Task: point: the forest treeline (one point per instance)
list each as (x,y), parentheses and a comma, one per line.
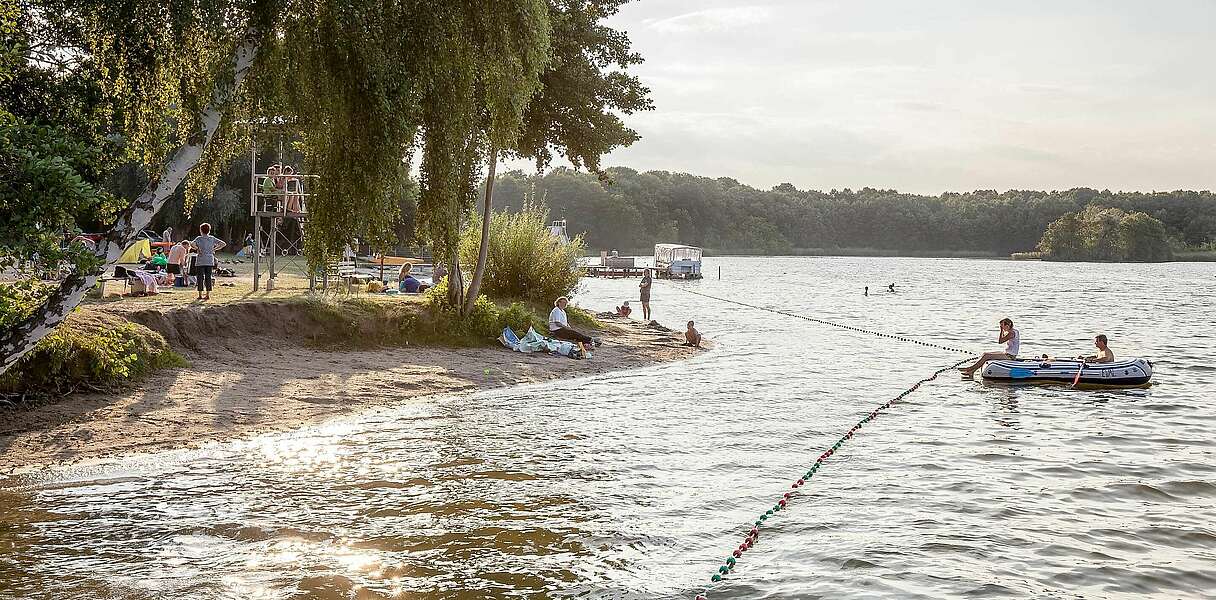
(638,209)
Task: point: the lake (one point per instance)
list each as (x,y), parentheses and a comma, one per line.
(639,484)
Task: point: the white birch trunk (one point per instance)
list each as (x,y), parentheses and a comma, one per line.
(22,337)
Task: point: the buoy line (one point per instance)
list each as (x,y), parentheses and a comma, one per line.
(753,534)
(829,323)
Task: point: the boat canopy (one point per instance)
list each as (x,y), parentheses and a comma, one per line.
(670,253)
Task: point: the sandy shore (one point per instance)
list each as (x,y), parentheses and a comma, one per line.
(235,388)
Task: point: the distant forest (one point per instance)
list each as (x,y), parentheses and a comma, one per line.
(633,211)
(636,210)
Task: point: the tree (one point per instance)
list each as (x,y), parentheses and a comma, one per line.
(362,83)
(1106,234)
(1144,239)
(575,111)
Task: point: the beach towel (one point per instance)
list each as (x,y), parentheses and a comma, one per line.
(145,282)
(535,342)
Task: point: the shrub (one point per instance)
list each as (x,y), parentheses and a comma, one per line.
(89,350)
(524,259)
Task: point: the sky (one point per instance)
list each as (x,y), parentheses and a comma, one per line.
(928,96)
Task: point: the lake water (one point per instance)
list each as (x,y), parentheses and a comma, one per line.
(638,484)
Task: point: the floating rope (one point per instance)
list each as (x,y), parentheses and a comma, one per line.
(829,323)
(753,535)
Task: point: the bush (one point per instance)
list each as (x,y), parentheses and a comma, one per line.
(524,259)
(89,350)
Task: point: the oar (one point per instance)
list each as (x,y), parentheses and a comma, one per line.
(1077,379)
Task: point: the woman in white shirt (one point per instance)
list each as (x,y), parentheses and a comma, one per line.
(1013,344)
(559,326)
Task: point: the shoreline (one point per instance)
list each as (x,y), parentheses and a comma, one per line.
(242,386)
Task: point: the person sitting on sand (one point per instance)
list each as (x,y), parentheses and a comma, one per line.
(692,337)
(406,283)
(1104,355)
(1012,340)
(559,325)
(891,288)
(623,310)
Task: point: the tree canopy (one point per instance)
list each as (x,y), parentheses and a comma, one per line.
(1106,234)
(365,88)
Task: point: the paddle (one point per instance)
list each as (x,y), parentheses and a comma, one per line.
(1077,379)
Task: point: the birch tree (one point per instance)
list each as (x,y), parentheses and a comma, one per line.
(367,85)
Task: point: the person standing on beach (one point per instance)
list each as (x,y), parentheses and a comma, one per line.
(206,245)
(644,293)
(167,235)
(177,258)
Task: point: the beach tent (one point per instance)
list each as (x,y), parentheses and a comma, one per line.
(138,251)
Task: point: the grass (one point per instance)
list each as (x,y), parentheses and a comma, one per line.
(90,350)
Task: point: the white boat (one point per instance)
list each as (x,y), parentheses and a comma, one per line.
(1132,372)
(677,261)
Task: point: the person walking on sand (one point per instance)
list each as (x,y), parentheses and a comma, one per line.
(644,294)
(1013,343)
(206,245)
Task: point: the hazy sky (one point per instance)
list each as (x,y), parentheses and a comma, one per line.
(928,96)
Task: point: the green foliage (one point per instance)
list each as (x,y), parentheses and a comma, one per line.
(640,209)
(1106,234)
(18,299)
(524,259)
(90,350)
(37,163)
(519,317)
(444,321)
(583,90)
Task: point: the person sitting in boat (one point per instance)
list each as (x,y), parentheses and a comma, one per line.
(406,283)
(1012,340)
(1104,355)
(692,337)
(559,325)
(623,310)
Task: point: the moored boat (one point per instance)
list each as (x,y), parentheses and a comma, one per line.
(1131,372)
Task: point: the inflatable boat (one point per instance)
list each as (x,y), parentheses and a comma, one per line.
(1122,373)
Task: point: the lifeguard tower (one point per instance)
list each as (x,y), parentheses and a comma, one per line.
(278,203)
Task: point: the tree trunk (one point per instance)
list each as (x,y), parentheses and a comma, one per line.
(480,269)
(23,336)
(455,280)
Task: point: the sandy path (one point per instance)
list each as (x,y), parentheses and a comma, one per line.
(230,390)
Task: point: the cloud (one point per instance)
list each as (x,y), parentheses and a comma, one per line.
(712,19)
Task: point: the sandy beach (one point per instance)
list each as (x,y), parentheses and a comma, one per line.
(241,385)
